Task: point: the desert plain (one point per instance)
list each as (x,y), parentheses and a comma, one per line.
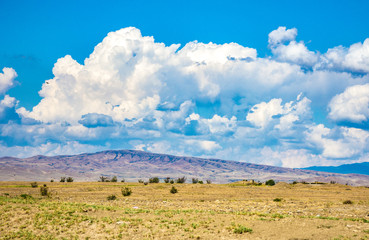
(81,210)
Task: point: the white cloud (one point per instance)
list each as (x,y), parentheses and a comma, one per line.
(50,149)
(263,113)
(7,79)
(6,103)
(350,141)
(281,35)
(355,58)
(293,52)
(138,93)
(352,105)
(205,145)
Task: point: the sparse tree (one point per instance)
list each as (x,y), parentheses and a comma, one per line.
(181,180)
(195,180)
(208,181)
(154,180)
(114,179)
(167,179)
(70,179)
(270,182)
(62,179)
(103,179)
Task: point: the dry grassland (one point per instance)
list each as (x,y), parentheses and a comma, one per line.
(197,211)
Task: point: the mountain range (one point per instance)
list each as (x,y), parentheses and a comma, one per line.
(133,165)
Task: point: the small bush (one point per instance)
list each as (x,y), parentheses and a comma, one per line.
(114,179)
(195,180)
(140,181)
(70,179)
(347,202)
(123,180)
(44,190)
(332,182)
(241,229)
(208,181)
(145,183)
(154,180)
(171,181)
(34,185)
(126,192)
(294,182)
(26,196)
(173,190)
(277,200)
(270,182)
(181,180)
(201,182)
(112,197)
(167,179)
(52,180)
(62,179)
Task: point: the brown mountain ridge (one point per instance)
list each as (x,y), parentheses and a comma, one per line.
(133,165)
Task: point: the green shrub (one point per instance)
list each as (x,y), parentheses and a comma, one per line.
(167,179)
(70,179)
(171,181)
(126,192)
(112,197)
(145,183)
(154,180)
(34,185)
(44,190)
(241,229)
(62,179)
(52,180)
(114,179)
(26,196)
(201,182)
(173,190)
(181,180)
(270,182)
(347,202)
(195,180)
(277,200)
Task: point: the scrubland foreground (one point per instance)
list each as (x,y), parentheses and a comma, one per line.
(197,211)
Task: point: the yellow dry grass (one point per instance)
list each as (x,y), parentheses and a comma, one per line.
(198,211)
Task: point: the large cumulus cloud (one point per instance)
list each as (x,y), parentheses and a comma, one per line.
(202,99)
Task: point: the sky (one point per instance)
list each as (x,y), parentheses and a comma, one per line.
(283,83)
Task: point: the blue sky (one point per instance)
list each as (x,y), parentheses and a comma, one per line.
(273,82)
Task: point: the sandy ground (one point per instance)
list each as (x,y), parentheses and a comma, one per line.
(197,211)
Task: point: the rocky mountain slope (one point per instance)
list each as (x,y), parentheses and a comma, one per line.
(133,165)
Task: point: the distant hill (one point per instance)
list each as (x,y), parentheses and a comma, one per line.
(133,165)
(359,168)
